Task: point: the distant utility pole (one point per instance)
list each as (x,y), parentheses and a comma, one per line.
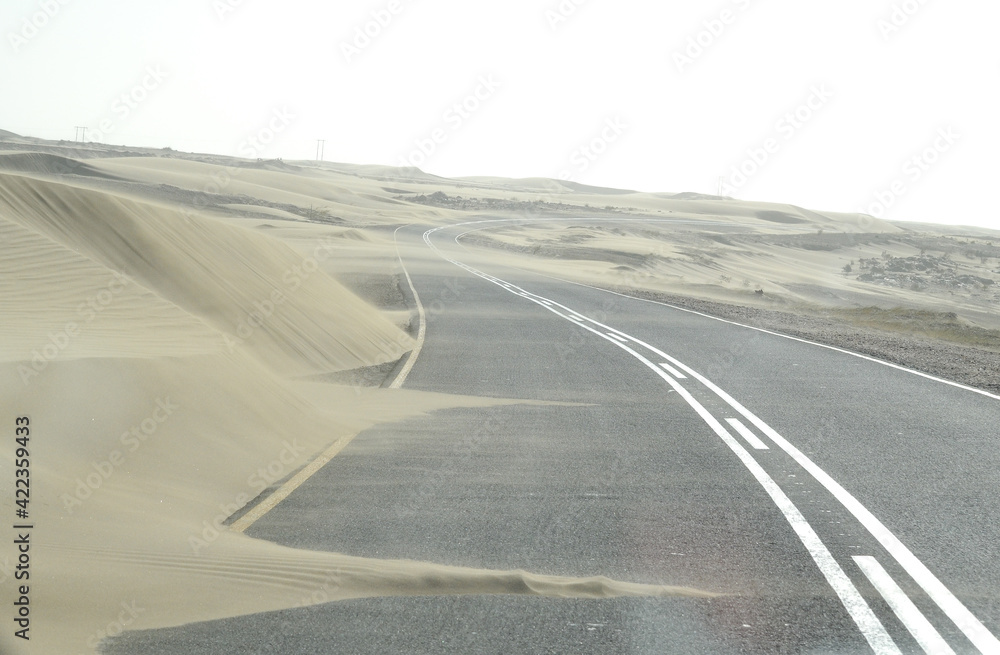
(320,146)
(719,192)
(81,130)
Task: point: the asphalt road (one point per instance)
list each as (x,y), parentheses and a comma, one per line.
(853,508)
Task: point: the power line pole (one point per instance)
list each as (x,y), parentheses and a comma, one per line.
(80,129)
(320,147)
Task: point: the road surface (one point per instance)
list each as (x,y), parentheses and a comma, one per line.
(840,504)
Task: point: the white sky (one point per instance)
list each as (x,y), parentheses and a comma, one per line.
(878,98)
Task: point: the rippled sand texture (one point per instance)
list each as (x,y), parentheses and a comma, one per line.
(170,360)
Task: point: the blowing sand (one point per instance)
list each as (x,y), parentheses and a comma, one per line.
(172,325)
(166,358)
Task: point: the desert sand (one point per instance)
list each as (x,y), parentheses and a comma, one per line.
(184,331)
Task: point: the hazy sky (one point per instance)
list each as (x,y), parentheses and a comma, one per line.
(887,106)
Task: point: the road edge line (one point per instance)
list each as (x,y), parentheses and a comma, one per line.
(411,359)
(307,471)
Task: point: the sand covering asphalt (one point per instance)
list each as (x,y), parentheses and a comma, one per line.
(158,354)
(172,324)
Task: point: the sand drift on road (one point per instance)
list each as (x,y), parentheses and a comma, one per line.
(186,332)
(171,364)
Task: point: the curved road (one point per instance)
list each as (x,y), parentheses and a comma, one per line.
(841,504)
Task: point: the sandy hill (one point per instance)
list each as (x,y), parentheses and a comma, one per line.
(46,164)
(172,323)
(164,337)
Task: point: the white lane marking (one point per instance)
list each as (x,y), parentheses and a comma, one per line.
(723,320)
(421,330)
(918,625)
(745,432)
(293,483)
(716,318)
(617,338)
(290,485)
(977,633)
(459,243)
(869,625)
(673,371)
(869,358)
(984,640)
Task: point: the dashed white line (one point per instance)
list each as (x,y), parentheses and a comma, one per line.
(867,622)
(869,625)
(966,621)
(911,617)
(673,371)
(745,432)
(977,633)
(844,351)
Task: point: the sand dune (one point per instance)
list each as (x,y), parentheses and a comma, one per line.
(158,353)
(47,164)
(342,196)
(231,278)
(798,261)
(171,324)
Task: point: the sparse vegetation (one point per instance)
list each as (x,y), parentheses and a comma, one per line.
(918,273)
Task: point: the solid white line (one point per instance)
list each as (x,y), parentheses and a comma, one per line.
(984,640)
(977,633)
(747,434)
(869,358)
(869,625)
(290,485)
(293,483)
(617,338)
(918,625)
(421,330)
(673,371)
(928,376)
